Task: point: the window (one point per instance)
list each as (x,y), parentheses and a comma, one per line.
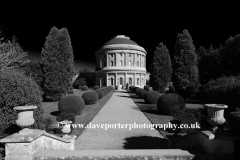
(121,81)
(138,63)
(112,81)
(137,55)
(130,81)
(130,63)
(120,63)
(111,54)
(104,64)
(130,55)
(137,81)
(121,54)
(100,63)
(111,63)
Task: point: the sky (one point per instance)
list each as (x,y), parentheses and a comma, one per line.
(92,25)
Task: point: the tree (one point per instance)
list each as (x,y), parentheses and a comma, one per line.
(160,69)
(57,61)
(185,70)
(11,54)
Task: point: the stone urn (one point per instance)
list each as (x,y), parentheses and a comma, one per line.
(25,117)
(215,114)
(66,127)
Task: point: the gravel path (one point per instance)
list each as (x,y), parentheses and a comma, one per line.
(119,109)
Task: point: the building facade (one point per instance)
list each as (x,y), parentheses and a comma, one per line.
(122,62)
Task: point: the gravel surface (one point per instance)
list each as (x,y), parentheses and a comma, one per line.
(119,109)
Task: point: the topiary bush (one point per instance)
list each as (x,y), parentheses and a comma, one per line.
(142,92)
(170,104)
(80,87)
(151,97)
(18,90)
(134,89)
(96,87)
(147,87)
(100,93)
(138,90)
(66,116)
(171,89)
(76,84)
(90,97)
(104,90)
(131,88)
(71,104)
(85,88)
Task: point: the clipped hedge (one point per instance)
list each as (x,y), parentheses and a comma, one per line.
(131,88)
(100,93)
(66,116)
(151,97)
(224,90)
(233,120)
(170,104)
(80,87)
(134,89)
(96,87)
(85,88)
(18,90)
(71,104)
(90,97)
(142,93)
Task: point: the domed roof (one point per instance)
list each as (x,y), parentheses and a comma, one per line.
(120,39)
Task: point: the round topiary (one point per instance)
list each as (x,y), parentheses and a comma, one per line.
(71,104)
(90,97)
(76,84)
(18,90)
(170,103)
(80,87)
(131,88)
(171,89)
(134,89)
(105,91)
(142,92)
(66,116)
(137,91)
(100,93)
(147,87)
(85,88)
(96,87)
(151,97)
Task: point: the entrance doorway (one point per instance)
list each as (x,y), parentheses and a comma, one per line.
(121,81)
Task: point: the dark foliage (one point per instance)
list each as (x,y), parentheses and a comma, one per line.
(66,116)
(170,104)
(138,90)
(160,69)
(142,92)
(104,90)
(184,63)
(96,87)
(90,97)
(71,104)
(85,88)
(171,89)
(57,60)
(233,120)
(151,97)
(147,87)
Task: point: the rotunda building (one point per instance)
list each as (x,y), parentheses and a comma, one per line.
(121,62)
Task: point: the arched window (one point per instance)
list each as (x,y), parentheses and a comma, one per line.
(137,81)
(130,63)
(100,63)
(120,63)
(111,64)
(138,63)
(121,81)
(130,81)
(112,81)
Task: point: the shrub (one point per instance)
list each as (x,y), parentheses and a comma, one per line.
(18,90)
(71,104)
(137,91)
(147,87)
(85,88)
(134,89)
(96,87)
(100,93)
(170,103)
(151,97)
(224,90)
(233,119)
(131,88)
(104,90)
(80,87)
(76,84)
(142,92)
(109,88)
(66,116)
(90,97)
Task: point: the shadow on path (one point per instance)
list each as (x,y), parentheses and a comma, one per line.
(55,113)
(145,142)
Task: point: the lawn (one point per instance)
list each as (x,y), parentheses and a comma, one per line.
(88,113)
(152,113)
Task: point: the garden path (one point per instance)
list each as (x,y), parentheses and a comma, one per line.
(120,110)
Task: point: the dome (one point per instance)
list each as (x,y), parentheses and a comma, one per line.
(121,39)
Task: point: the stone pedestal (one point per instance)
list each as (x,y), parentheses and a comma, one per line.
(25,144)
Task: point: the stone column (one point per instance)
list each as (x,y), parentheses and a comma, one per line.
(134,59)
(115,59)
(125,78)
(125,58)
(134,79)
(115,79)
(140,80)
(140,60)
(107,59)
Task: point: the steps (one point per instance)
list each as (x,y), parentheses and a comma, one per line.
(153,154)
